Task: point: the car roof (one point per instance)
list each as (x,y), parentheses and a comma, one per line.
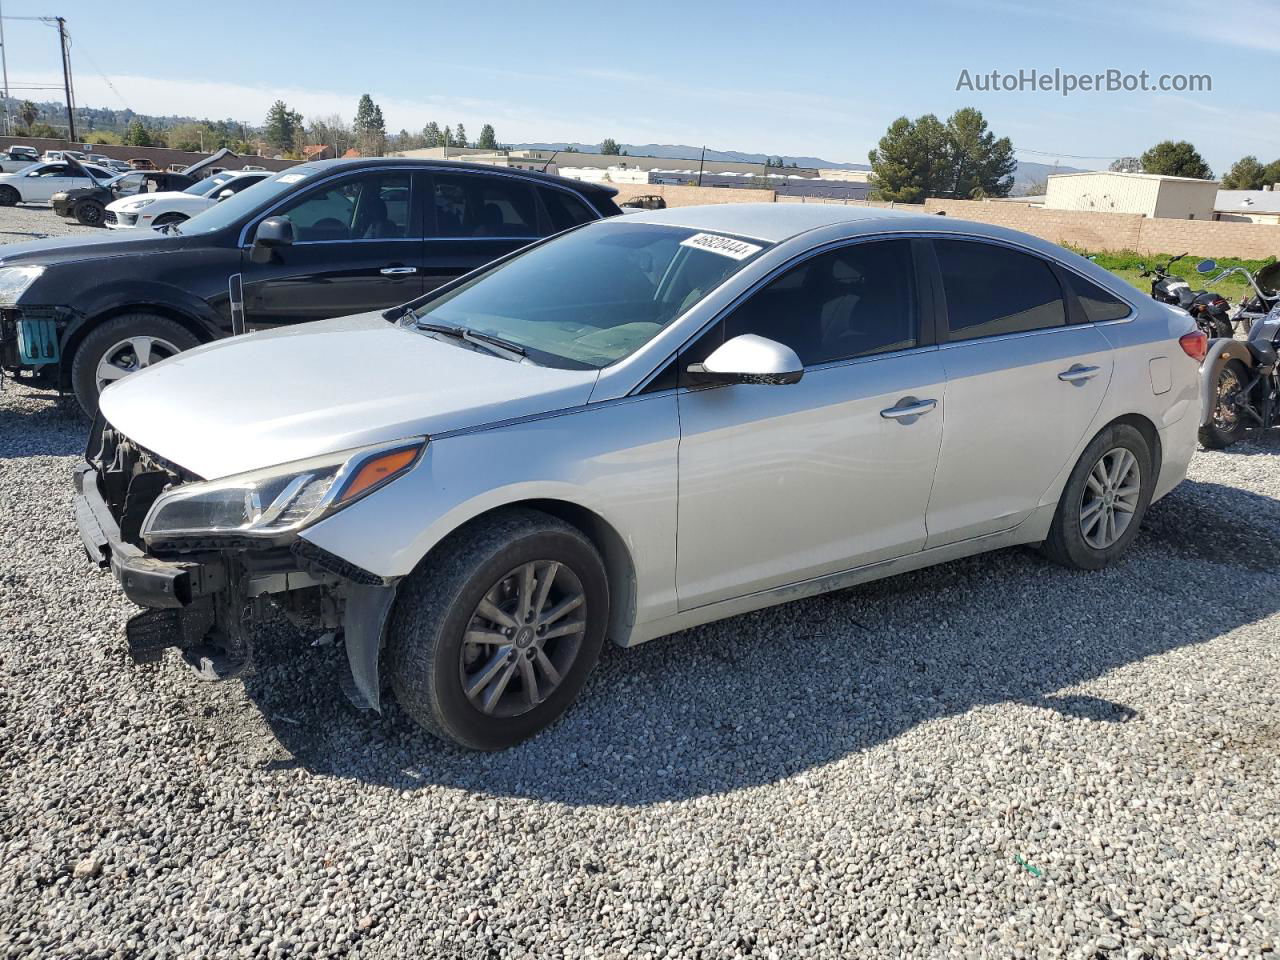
(343,163)
(773,222)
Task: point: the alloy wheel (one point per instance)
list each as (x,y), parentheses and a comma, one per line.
(131,355)
(1110,498)
(522,638)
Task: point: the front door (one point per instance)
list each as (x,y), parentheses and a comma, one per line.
(779,484)
(1023,387)
(358,246)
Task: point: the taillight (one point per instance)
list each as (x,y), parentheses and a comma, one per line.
(1195,345)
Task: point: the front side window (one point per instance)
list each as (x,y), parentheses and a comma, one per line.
(52,170)
(368,207)
(1098,305)
(596,295)
(992,290)
(852,302)
(484,206)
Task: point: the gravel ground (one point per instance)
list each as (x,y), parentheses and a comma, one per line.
(35,221)
(996,757)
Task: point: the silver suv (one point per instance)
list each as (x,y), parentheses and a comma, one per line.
(631,428)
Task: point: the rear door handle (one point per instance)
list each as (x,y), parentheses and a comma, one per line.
(1079,372)
(397,271)
(908,407)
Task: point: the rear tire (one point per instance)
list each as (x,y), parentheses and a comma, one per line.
(1227,425)
(9,196)
(89,213)
(457,621)
(109,345)
(1104,501)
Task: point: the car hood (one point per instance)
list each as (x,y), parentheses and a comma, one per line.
(273,397)
(53,250)
(169,195)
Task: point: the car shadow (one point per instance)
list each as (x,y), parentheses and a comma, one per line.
(714,709)
(37,423)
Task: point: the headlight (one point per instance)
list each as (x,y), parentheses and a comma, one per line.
(139,204)
(278,500)
(14,282)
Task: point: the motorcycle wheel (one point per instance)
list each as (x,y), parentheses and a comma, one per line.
(1227,426)
(1223,326)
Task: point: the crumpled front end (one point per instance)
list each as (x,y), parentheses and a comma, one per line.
(207,596)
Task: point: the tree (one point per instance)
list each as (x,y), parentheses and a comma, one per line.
(371,130)
(910,163)
(332,131)
(1245,174)
(1271,173)
(609,147)
(1126,165)
(460,138)
(922,158)
(488,139)
(446,138)
(28,111)
(282,127)
(1178,159)
(431,136)
(982,165)
(138,135)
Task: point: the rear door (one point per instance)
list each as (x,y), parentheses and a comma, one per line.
(1023,386)
(358,246)
(474,218)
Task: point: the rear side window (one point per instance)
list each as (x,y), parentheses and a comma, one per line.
(992,290)
(484,206)
(564,209)
(1098,305)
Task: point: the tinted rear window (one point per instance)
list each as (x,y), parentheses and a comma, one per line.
(993,290)
(1098,305)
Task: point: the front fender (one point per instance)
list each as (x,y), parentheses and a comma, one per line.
(1220,352)
(112,298)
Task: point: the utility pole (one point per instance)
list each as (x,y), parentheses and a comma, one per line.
(66,79)
(4,66)
(701,162)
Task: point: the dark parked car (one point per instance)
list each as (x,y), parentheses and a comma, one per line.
(314,241)
(647,201)
(88,204)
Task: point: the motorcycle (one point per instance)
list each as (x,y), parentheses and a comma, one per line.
(1209,310)
(1265,290)
(1240,384)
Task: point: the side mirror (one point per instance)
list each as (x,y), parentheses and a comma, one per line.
(749,359)
(1206,266)
(274,232)
(224,194)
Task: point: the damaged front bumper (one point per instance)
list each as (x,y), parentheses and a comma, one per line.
(207,601)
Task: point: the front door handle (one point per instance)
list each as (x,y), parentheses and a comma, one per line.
(1078,373)
(397,271)
(908,407)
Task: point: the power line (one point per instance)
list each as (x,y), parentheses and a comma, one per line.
(1068,156)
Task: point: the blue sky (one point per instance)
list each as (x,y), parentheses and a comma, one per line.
(819,79)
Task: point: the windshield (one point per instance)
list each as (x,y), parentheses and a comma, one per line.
(594,296)
(234,208)
(207,185)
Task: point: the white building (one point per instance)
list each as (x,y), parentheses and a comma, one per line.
(1249,206)
(1147,194)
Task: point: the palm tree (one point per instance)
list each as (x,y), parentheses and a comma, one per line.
(28,111)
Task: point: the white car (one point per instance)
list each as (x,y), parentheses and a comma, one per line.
(18,158)
(40,181)
(159,209)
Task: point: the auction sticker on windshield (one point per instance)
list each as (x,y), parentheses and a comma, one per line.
(291,178)
(725,246)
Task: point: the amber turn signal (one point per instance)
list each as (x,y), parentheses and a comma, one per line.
(381,468)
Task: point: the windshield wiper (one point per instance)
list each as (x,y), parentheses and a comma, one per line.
(495,345)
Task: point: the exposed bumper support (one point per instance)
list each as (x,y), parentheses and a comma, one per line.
(363,626)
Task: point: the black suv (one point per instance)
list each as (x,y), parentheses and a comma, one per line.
(314,241)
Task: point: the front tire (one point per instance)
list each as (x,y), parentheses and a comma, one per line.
(9,196)
(89,213)
(167,218)
(493,636)
(1227,425)
(121,346)
(1104,501)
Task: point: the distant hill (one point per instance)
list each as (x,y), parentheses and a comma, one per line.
(1033,174)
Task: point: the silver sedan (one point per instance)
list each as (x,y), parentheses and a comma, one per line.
(637,426)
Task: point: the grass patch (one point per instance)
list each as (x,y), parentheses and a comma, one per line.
(1127,265)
